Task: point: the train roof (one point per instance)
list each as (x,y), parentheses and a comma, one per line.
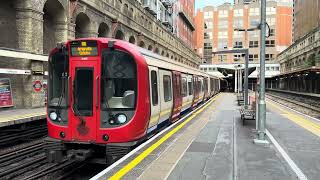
(156,60)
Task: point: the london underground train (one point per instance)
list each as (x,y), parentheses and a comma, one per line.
(105,96)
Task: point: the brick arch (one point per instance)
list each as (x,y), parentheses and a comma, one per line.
(142,44)
(119,35)
(83,23)
(38,5)
(103,30)
(54,24)
(118,28)
(132,39)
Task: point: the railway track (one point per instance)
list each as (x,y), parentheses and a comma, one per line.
(19,159)
(27,132)
(300,104)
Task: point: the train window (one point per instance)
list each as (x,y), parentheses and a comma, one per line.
(184,87)
(167,88)
(118,80)
(83,91)
(190,87)
(58,80)
(154,87)
(201,85)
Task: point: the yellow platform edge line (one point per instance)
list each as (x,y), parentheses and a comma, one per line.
(145,153)
(298,119)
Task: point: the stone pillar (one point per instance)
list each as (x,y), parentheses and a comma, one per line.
(61,31)
(71,31)
(30,38)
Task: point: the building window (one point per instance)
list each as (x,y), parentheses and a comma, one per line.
(209,24)
(253,57)
(237,34)
(272,32)
(254,22)
(223,44)
(237,57)
(208,15)
(271,21)
(167,88)
(238,13)
(238,44)
(271,10)
(253,44)
(254,11)
(223,34)
(210,36)
(222,58)
(223,24)
(238,23)
(207,45)
(269,57)
(223,13)
(270,43)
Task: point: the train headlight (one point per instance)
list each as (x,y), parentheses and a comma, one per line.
(121,118)
(53,116)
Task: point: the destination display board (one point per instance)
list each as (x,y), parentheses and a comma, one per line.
(6,99)
(84,48)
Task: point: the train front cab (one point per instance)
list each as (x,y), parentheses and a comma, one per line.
(91,96)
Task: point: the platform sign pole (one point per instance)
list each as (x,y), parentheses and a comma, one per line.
(239,79)
(235,80)
(262,103)
(246,79)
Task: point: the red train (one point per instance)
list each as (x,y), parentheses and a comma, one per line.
(105,96)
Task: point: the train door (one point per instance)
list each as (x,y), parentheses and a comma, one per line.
(155,99)
(195,91)
(85,102)
(166,95)
(177,98)
(205,85)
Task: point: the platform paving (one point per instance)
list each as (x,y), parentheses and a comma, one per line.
(215,145)
(19,116)
(224,150)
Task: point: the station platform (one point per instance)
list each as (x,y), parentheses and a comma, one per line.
(19,116)
(212,143)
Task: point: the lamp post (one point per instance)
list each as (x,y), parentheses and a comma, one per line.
(261,102)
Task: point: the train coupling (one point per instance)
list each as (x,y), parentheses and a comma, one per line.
(79,154)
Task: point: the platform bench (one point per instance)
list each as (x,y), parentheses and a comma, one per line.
(247,114)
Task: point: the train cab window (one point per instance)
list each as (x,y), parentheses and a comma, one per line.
(58,80)
(184,87)
(167,88)
(190,87)
(83,91)
(154,88)
(118,80)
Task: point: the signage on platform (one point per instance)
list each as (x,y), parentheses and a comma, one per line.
(37,86)
(6,99)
